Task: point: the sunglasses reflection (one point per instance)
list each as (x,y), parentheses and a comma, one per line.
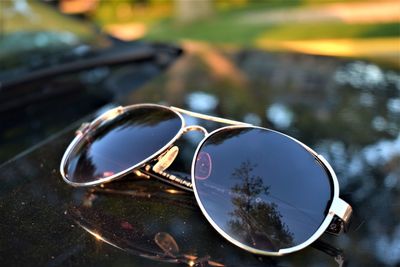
(335,253)
(155,221)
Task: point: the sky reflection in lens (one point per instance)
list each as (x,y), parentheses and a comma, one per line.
(264,190)
(122,143)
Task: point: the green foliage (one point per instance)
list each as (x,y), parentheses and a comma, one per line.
(226,26)
(304,31)
(244,22)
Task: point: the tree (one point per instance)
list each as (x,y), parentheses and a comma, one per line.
(257,222)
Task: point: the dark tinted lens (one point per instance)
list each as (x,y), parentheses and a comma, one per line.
(122,143)
(263,189)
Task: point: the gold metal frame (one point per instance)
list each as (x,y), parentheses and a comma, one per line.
(167,154)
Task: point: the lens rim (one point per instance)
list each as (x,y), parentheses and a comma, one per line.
(322,228)
(107,116)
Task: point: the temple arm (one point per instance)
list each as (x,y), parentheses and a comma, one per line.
(177,179)
(157,169)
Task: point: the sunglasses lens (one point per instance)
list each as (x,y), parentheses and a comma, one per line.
(121,143)
(261,188)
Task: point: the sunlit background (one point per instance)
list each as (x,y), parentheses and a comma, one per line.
(348,28)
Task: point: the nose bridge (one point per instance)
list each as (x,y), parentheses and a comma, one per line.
(195,128)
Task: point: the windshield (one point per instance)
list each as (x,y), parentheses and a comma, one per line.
(34,35)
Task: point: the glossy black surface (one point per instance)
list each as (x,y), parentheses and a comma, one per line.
(50,78)
(121,143)
(348,111)
(32,112)
(264,190)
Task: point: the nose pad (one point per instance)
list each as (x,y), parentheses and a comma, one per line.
(203,166)
(166,160)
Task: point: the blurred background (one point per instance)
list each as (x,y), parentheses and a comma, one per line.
(348,28)
(345,28)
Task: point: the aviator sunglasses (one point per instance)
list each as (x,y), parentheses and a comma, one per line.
(262,190)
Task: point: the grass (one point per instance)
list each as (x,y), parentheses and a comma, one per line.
(309,31)
(227,27)
(221,30)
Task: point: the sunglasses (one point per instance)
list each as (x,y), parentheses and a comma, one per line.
(262,190)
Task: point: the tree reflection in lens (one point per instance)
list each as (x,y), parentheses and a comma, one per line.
(254,220)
